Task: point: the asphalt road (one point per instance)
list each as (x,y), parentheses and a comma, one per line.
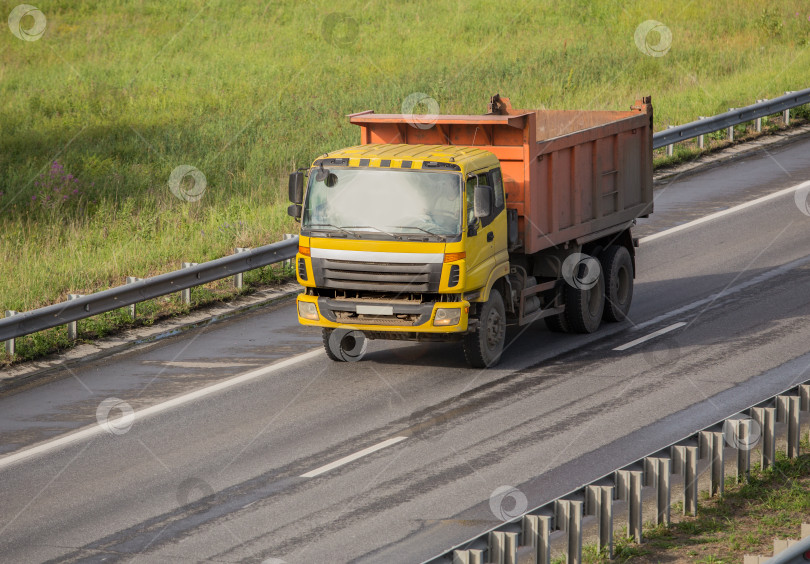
(212,468)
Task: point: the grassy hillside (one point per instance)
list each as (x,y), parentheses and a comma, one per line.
(97,113)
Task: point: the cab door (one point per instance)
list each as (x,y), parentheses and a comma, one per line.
(483,241)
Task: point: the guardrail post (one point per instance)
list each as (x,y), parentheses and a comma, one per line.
(629,483)
(185,295)
(502,547)
(471,556)
(759,120)
(599,503)
(671,146)
(741,429)
(568,517)
(787,411)
(11,347)
(132,280)
(657,471)
(72,327)
(536,533)
(804,394)
(731,129)
(700,137)
(711,445)
(765,416)
(786,113)
(238,278)
(684,461)
(289,263)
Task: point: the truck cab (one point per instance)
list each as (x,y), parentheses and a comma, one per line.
(400,241)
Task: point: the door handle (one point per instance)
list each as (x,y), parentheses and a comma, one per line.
(490,236)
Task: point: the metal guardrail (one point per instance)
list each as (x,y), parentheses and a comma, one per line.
(18,325)
(731,118)
(528,536)
(87,306)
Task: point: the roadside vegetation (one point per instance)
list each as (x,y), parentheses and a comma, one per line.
(745,520)
(99,111)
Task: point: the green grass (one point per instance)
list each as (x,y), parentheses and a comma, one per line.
(120,93)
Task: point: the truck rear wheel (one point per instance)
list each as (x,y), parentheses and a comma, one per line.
(584,307)
(618,268)
(557,323)
(484,347)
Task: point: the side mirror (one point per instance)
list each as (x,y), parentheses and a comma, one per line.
(482,201)
(296,189)
(294,210)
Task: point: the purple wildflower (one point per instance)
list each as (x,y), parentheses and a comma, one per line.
(33,198)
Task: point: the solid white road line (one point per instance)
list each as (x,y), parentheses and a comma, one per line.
(94,430)
(713,216)
(352,457)
(646,338)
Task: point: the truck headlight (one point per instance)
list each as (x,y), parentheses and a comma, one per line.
(447,316)
(308,310)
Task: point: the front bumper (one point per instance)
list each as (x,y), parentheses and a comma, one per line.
(383,317)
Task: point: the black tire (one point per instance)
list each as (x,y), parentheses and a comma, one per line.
(325,334)
(584,307)
(483,348)
(618,269)
(557,323)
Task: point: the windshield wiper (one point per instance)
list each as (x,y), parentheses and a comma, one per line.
(440,236)
(316,225)
(395,236)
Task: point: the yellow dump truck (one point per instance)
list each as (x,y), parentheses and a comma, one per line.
(455,228)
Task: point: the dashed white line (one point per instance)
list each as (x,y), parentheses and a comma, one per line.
(646,338)
(722,213)
(352,457)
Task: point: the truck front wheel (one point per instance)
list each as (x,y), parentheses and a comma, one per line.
(484,347)
(344,345)
(618,268)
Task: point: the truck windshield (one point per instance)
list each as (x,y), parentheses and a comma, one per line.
(384,201)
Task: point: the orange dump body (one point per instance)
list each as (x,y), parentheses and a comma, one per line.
(570,175)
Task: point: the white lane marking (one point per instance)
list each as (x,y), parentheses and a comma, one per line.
(94,430)
(764,277)
(352,457)
(646,338)
(722,213)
